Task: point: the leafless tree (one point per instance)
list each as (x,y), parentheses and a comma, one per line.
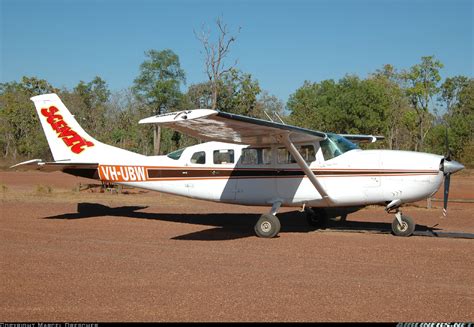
(215,53)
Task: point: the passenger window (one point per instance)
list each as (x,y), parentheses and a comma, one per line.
(199,158)
(258,156)
(284,157)
(249,156)
(306,151)
(224,156)
(266,158)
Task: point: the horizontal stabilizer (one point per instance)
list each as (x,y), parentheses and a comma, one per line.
(38,164)
(362,138)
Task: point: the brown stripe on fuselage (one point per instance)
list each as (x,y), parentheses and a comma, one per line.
(158,173)
(209,173)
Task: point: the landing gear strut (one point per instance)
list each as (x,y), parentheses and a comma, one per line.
(401,225)
(268,225)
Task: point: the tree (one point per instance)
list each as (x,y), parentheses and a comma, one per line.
(124,111)
(450,91)
(158,85)
(238,93)
(88,102)
(460,120)
(311,105)
(397,134)
(269,105)
(21,134)
(352,106)
(215,53)
(200,95)
(422,84)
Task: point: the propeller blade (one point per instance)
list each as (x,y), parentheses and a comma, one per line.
(447,180)
(447,155)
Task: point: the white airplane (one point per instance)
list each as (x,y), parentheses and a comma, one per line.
(252,162)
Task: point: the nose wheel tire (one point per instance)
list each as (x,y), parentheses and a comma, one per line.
(267,226)
(405,229)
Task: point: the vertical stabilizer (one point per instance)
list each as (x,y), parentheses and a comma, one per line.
(66,138)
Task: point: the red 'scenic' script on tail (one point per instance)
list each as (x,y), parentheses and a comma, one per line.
(74,141)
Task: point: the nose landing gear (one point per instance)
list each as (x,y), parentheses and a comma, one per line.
(402,225)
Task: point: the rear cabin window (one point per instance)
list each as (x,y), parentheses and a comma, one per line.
(199,158)
(256,156)
(306,151)
(223,157)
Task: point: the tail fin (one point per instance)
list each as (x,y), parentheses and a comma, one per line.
(66,138)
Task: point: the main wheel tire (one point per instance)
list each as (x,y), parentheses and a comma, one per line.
(267,226)
(317,217)
(405,229)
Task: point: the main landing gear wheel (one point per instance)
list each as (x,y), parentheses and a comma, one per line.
(267,226)
(405,229)
(317,217)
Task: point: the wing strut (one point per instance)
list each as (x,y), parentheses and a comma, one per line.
(285,139)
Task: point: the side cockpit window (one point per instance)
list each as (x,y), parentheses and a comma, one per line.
(335,145)
(223,157)
(199,158)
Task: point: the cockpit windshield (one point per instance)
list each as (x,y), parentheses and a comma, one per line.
(335,145)
(175,154)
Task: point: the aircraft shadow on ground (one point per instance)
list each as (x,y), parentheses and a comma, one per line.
(228,226)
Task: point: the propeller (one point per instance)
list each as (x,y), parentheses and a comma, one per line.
(448,167)
(447,181)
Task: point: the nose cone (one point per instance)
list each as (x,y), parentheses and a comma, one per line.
(450,167)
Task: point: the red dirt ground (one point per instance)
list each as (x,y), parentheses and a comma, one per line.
(146,256)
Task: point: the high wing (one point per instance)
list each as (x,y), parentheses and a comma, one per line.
(214,125)
(221,126)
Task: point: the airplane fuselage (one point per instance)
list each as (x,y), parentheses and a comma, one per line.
(241,174)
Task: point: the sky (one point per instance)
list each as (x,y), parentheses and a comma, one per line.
(281,43)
